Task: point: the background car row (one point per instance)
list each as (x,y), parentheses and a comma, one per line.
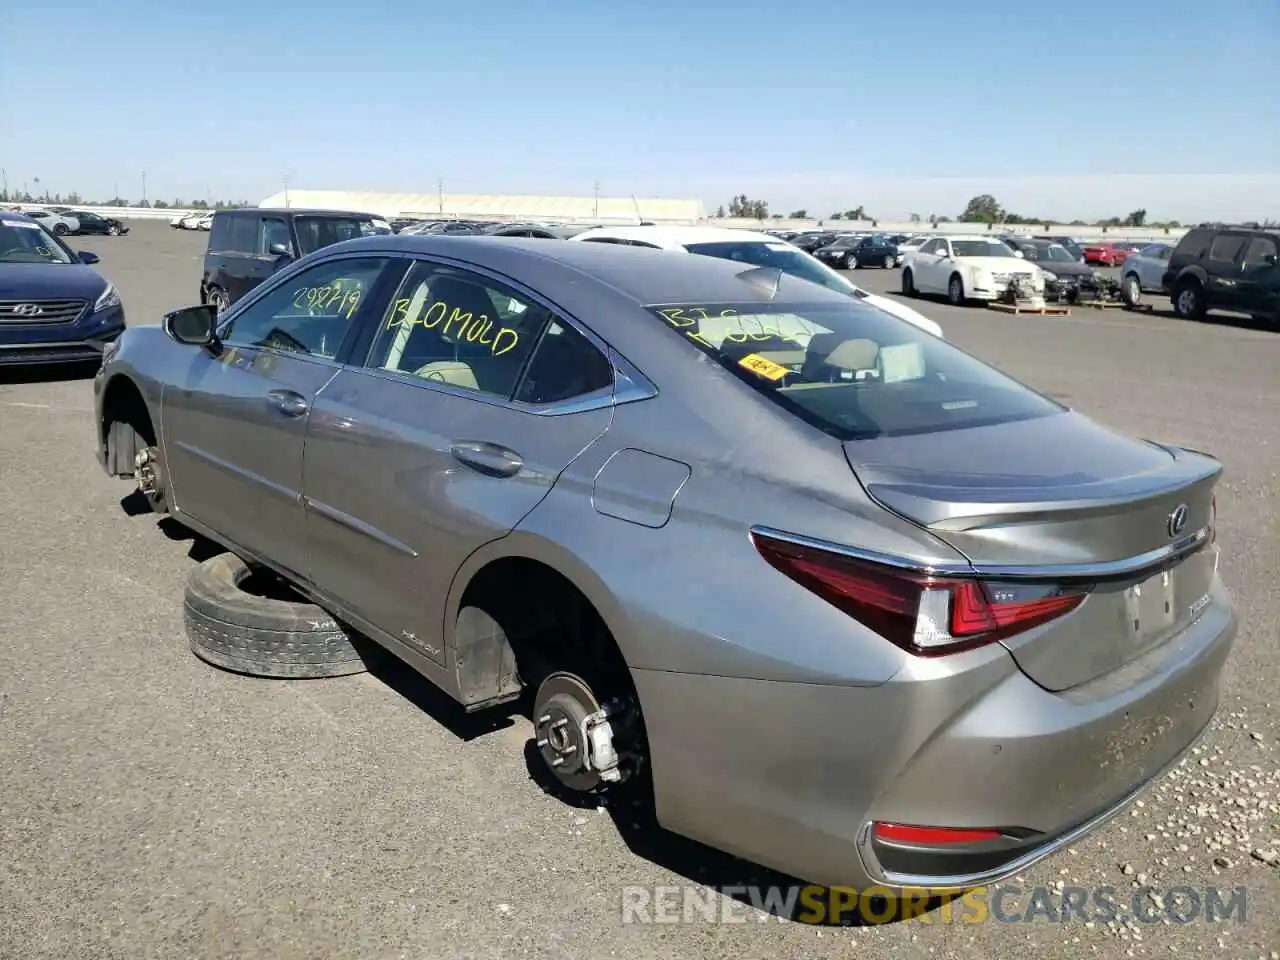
(67,221)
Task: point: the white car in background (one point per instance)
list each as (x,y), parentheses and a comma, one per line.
(965,268)
(911,245)
(188,221)
(1143,272)
(757,249)
(59,224)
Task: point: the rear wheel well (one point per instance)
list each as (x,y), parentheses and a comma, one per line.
(542,617)
(126,426)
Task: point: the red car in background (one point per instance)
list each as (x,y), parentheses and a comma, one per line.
(1109,254)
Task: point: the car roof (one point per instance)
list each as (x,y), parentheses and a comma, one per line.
(296,212)
(970,236)
(641,275)
(678,237)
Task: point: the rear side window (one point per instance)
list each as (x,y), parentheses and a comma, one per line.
(1226,247)
(243,235)
(852,371)
(565,365)
(1194,244)
(316,232)
(1259,252)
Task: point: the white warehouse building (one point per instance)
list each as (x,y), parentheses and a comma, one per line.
(466,206)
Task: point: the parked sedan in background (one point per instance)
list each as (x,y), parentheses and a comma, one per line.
(966,268)
(54,307)
(942,626)
(1069,244)
(809,242)
(91,223)
(1143,272)
(59,224)
(876,251)
(1064,274)
(839,253)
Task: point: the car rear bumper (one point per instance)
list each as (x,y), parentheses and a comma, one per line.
(793,776)
(82,340)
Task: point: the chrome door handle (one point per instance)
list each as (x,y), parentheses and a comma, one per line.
(288,402)
(487,458)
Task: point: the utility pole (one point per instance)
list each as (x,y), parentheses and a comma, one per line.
(115,191)
(286,191)
(440,196)
(4,182)
(595,206)
(144,188)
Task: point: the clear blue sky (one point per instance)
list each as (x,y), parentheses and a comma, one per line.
(905,106)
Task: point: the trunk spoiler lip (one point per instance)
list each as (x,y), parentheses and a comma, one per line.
(1151,562)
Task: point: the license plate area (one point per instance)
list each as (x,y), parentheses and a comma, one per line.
(1168,602)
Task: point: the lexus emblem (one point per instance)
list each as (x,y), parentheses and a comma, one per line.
(1177,519)
(28,310)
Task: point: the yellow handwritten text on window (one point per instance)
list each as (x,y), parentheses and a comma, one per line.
(334,299)
(456,324)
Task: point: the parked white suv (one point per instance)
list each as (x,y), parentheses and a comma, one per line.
(757,249)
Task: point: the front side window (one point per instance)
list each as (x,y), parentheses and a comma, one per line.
(1226,247)
(454,327)
(852,371)
(273,231)
(312,312)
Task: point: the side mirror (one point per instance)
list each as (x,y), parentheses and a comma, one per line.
(88,258)
(1019,254)
(280,250)
(193,326)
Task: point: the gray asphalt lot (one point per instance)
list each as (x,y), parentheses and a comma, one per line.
(152,806)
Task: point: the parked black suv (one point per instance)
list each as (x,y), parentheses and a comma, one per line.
(247,246)
(1226,268)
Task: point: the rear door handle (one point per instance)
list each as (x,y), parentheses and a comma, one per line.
(487,458)
(288,402)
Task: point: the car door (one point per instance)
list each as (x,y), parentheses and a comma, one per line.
(1260,278)
(1151,264)
(1222,265)
(927,270)
(443,442)
(235,419)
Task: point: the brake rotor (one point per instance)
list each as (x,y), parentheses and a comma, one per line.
(560,711)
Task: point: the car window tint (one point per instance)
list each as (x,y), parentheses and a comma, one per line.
(853,371)
(273,230)
(243,234)
(565,365)
(1225,247)
(311,312)
(1259,249)
(454,327)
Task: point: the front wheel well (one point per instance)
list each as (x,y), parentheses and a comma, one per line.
(127,428)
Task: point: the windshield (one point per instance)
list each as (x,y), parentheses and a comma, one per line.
(980,248)
(1055,252)
(852,371)
(22,241)
(317,232)
(780,256)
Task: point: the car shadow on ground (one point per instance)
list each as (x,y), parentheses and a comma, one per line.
(47,373)
(759,891)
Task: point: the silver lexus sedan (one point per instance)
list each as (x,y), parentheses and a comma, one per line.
(847,601)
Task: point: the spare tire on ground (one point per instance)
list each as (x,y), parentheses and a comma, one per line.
(250,621)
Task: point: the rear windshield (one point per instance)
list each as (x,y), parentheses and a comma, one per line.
(317,232)
(852,371)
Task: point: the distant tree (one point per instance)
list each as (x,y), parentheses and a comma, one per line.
(720,212)
(1077,223)
(837,216)
(1137,218)
(801,214)
(857,213)
(75,200)
(160,205)
(743,208)
(915,218)
(776,216)
(982,209)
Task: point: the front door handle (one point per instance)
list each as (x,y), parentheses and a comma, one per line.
(487,458)
(288,402)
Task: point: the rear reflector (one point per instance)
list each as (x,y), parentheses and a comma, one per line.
(923,614)
(931,836)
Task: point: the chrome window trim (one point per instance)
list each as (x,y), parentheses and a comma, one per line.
(629,384)
(1149,562)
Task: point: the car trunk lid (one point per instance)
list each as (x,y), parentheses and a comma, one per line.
(1066,499)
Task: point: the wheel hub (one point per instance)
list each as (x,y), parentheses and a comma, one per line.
(573,733)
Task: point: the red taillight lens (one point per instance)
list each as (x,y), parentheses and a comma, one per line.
(925,615)
(931,836)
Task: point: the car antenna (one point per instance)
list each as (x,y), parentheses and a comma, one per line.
(765,279)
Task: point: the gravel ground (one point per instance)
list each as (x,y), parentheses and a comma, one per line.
(151,806)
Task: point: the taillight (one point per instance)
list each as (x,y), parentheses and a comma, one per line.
(932,836)
(923,614)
